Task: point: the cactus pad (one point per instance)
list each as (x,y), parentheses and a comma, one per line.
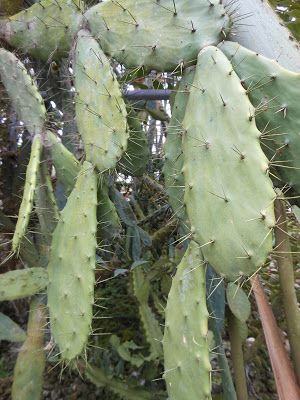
(126,30)
(229,196)
(238,302)
(22,92)
(275,92)
(66,166)
(185,342)
(22,283)
(28,194)
(100,108)
(71,266)
(45,30)
(173,164)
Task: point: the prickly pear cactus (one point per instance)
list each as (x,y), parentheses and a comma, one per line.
(71,267)
(45,30)
(22,283)
(127,33)
(274,91)
(66,166)
(109,224)
(28,372)
(185,342)
(100,108)
(28,194)
(224,170)
(23,92)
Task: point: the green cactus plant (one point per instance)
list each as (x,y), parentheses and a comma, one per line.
(215,174)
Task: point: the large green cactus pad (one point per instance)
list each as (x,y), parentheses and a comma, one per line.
(185,342)
(22,283)
(45,30)
(28,194)
(157,34)
(100,108)
(31,361)
(229,196)
(275,92)
(173,164)
(22,92)
(71,266)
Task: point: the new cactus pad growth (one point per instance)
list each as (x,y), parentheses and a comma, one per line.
(274,91)
(23,92)
(185,343)
(127,33)
(28,194)
(71,267)
(100,108)
(45,30)
(224,169)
